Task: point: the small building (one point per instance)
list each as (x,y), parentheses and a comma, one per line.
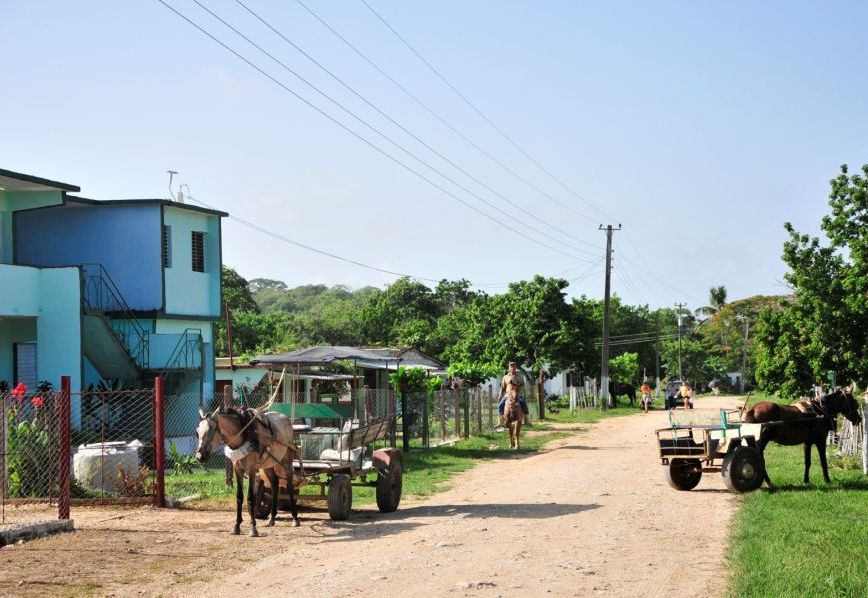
(106,291)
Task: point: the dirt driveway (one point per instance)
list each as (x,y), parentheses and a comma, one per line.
(590,515)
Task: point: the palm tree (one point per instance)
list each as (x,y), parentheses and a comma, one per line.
(716,300)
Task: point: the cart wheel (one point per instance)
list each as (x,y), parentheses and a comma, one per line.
(743,469)
(262,500)
(684,474)
(340,499)
(389,484)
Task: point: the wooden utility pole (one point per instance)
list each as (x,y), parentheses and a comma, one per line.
(678,308)
(604,369)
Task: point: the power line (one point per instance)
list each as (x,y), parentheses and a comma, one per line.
(353,133)
(489,121)
(399,125)
(443,121)
(365,123)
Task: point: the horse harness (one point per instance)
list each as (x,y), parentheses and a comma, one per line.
(252,415)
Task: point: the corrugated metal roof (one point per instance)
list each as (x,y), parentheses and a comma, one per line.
(321,355)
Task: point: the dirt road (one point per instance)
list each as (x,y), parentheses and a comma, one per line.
(591,515)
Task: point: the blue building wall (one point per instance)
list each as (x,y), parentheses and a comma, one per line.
(12,201)
(124,239)
(187,292)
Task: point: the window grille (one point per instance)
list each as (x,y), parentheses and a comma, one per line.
(166,247)
(198,251)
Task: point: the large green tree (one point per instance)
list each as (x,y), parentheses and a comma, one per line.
(825,327)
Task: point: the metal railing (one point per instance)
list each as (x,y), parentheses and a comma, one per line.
(101,294)
(185,357)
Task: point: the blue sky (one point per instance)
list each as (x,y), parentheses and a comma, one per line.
(699,127)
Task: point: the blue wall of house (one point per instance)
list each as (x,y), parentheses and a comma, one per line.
(192,293)
(12,201)
(124,239)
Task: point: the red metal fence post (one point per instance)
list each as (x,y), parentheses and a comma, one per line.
(64,413)
(159,445)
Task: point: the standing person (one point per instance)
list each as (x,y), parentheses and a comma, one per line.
(512,377)
(646,396)
(684,391)
(691,393)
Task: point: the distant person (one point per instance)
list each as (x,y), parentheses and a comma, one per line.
(684,393)
(645,389)
(818,389)
(512,377)
(691,393)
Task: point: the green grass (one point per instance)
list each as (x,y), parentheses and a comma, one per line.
(586,416)
(802,540)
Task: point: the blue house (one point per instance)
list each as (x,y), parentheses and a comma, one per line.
(118,291)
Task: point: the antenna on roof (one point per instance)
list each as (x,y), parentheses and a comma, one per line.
(172,174)
(181,192)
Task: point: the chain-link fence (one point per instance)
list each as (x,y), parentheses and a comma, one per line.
(30,456)
(113,454)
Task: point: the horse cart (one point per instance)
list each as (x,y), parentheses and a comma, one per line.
(700,442)
(338,452)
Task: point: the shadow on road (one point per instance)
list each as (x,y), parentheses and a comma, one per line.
(361,527)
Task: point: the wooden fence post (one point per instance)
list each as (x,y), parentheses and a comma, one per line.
(456,407)
(441,400)
(479,408)
(227,403)
(466,409)
(159,445)
(425,430)
(490,406)
(64,413)
(865,439)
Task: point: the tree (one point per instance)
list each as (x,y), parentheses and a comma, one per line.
(716,301)
(624,367)
(236,291)
(825,327)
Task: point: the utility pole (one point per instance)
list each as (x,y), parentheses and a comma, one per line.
(679,307)
(744,352)
(657,357)
(604,369)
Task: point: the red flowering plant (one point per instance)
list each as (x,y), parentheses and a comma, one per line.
(19,391)
(37,401)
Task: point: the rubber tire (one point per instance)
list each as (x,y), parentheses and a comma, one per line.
(340,497)
(262,501)
(679,478)
(389,484)
(742,469)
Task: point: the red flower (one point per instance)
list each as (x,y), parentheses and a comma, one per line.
(37,402)
(19,391)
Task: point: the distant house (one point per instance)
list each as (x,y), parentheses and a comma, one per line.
(112,291)
(376,373)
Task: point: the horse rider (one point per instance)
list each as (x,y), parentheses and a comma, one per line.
(685,394)
(512,377)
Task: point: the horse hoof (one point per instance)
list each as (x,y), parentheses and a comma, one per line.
(295,523)
(236,531)
(254,533)
(270,523)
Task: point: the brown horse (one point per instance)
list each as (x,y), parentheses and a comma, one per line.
(802,424)
(255,442)
(514,416)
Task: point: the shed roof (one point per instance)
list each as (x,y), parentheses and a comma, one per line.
(320,356)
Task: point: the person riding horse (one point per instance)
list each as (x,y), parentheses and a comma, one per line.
(512,377)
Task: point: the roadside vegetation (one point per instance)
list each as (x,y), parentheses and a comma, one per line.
(802,540)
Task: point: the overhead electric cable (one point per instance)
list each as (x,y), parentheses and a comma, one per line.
(355,134)
(433,150)
(446,123)
(490,122)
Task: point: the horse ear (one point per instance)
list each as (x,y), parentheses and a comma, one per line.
(852,388)
(201,413)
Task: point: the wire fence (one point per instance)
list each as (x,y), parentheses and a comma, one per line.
(29,456)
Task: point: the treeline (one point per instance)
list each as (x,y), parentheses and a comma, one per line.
(533,322)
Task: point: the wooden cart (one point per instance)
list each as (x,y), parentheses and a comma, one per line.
(339,452)
(699,442)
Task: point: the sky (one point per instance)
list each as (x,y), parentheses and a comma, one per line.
(698,127)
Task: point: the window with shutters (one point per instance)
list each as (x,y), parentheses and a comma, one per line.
(198,239)
(167,246)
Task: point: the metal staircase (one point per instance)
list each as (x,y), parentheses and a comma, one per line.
(102,298)
(185,359)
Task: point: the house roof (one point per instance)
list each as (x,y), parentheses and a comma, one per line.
(409,357)
(162,202)
(16,181)
(322,355)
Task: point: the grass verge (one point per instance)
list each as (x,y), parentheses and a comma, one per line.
(802,540)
